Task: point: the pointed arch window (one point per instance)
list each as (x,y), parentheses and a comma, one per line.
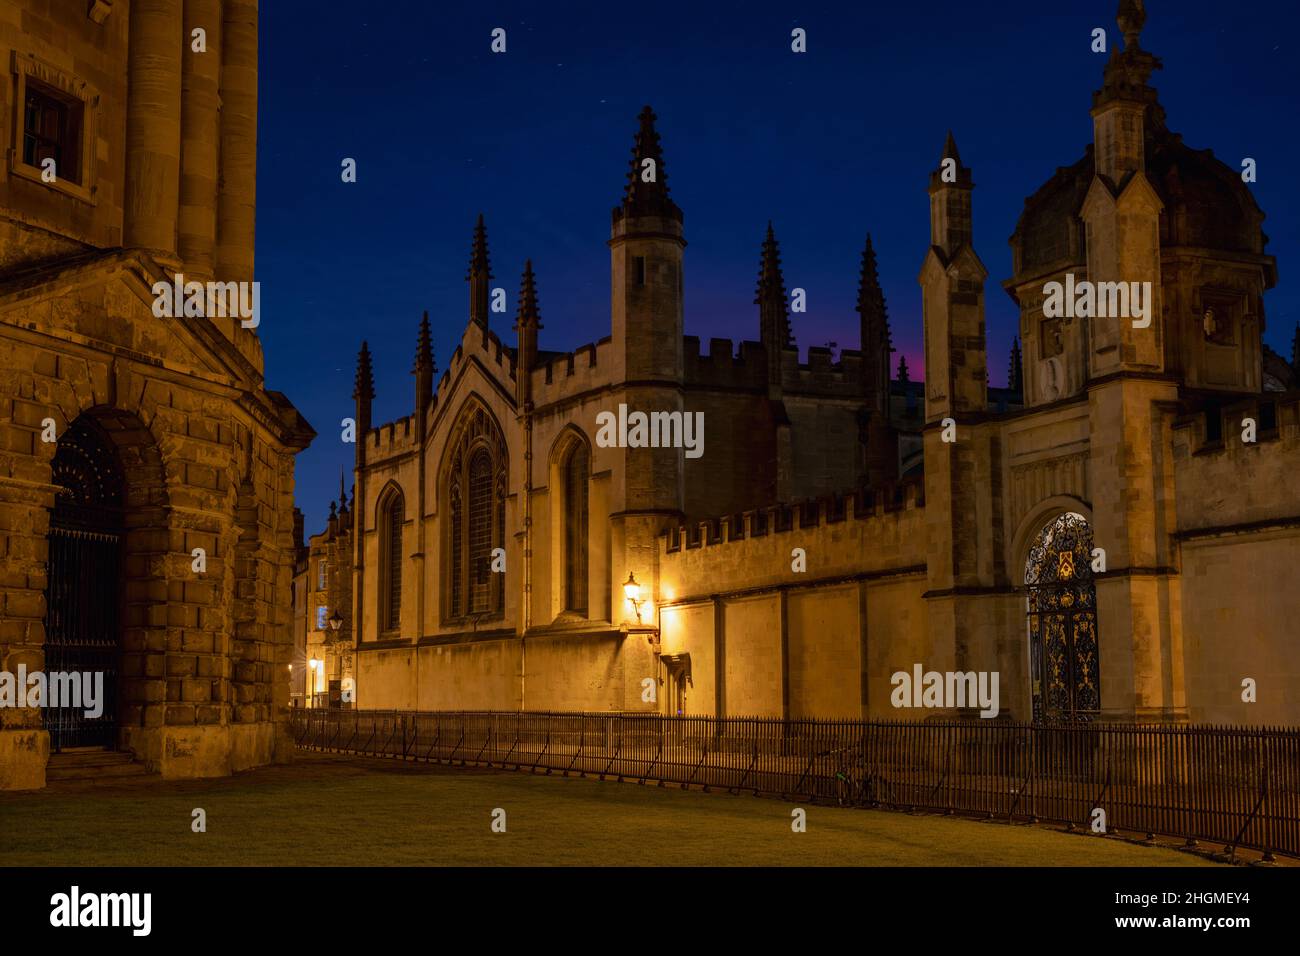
(476,496)
(577,468)
(392,515)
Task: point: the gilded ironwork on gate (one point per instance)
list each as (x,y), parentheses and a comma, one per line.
(1063,622)
(83,582)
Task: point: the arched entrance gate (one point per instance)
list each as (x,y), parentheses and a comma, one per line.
(84,581)
(1062,608)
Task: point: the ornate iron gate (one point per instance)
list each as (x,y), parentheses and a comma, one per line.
(1063,622)
(84,583)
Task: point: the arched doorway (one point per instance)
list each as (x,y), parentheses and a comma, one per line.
(1062,609)
(84,581)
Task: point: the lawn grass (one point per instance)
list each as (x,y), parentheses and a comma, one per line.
(336,811)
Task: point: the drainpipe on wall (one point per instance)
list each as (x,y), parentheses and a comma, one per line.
(527,611)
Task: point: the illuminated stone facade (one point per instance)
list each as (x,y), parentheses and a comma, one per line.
(146,472)
(917,506)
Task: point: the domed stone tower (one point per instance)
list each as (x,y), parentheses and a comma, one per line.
(1142,205)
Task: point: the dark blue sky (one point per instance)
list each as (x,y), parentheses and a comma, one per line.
(830,144)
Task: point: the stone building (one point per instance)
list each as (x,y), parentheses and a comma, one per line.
(1114,534)
(322,584)
(146,471)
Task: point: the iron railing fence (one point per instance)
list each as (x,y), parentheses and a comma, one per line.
(1239,786)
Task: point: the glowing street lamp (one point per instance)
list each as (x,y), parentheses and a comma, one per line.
(632,591)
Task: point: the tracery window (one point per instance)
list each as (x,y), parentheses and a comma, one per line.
(1062,606)
(476,496)
(392,513)
(577,467)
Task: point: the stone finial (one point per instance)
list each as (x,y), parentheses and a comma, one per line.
(646,192)
(364,385)
(902,370)
(478,254)
(1015,368)
(770,297)
(871,304)
(479,275)
(424,370)
(424,347)
(960,177)
(530,315)
(1131,17)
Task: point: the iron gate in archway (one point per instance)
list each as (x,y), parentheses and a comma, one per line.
(84,583)
(1062,609)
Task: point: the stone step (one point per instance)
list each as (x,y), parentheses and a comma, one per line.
(92,765)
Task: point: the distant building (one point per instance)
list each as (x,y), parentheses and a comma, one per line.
(1097,533)
(323,661)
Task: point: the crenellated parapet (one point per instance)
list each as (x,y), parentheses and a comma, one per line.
(1224,481)
(560,375)
(879,530)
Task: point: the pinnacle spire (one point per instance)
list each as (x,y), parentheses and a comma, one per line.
(774,318)
(1015,369)
(424,347)
(950,174)
(871,303)
(478,255)
(479,275)
(771,283)
(343,491)
(529,314)
(646,192)
(950,149)
(364,384)
(902,370)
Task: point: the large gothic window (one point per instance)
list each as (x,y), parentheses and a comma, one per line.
(392,513)
(476,508)
(577,467)
(1063,622)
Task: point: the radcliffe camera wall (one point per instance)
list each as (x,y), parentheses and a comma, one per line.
(65,50)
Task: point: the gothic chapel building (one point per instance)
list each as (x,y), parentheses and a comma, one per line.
(1102,534)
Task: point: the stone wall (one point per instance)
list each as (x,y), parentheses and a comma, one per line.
(1239,545)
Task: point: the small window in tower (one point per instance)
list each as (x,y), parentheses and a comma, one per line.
(640,270)
(52,130)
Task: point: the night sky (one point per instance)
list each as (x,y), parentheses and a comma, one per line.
(829,145)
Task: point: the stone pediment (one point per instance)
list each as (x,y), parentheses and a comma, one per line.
(104,301)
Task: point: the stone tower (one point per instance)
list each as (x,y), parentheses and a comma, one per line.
(1132,489)
(646,243)
(956,447)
